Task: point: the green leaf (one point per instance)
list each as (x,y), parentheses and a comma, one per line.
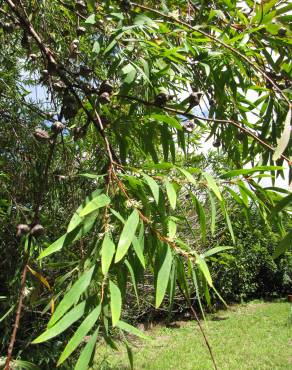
(138,250)
(248,171)
(171,193)
(153,186)
(285,137)
(90,19)
(96,47)
(127,235)
(116,302)
(213,213)
(87,353)
(72,296)
(205,269)
(130,329)
(165,262)
(281,204)
(71,317)
(130,356)
(212,185)
(107,253)
(228,221)
(132,273)
(20,364)
(98,202)
(284,245)
(170,121)
(201,216)
(215,250)
(188,176)
(80,333)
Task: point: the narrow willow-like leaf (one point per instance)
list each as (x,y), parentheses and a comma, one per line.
(116,302)
(187,175)
(107,253)
(284,245)
(76,219)
(80,333)
(248,171)
(201,216)
(163,275)
(72,316)
(153,186)
(215,250)
(230,228)
(127,235)
(282,204)
(171,193)
(72,296)
(87,353)
(98,202)
(132,273)
(130,356)
(212,185)
(195,281)
(131,329)
(138,250)
(24,365)
(205,269)
(285,137)
(213,213)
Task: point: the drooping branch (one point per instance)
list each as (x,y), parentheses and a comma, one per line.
(210,120)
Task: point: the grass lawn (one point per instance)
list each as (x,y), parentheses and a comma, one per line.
(252,336)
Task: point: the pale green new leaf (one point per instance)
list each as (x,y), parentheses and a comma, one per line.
(127,235)
(215,250)
(116,302)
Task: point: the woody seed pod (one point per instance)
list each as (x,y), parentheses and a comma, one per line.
(22,229)
(37,230)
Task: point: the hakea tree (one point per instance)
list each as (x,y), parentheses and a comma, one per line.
(134,91)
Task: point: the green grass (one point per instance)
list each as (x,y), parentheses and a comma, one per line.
(252,336)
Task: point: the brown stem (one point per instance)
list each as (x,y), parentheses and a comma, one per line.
(19,309)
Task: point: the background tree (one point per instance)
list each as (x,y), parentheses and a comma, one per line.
(103,162)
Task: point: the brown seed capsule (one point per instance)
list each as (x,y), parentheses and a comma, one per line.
(240,136)
(78,133)
(211,102)
(22,229)
(161,99)
(188,126)
(126,5)
(216,143)
(282,32)
(85,71)
(80,31)
(33,57)
(59,86)
(37,230)
(104,98)
(41,135)
(80,6)
(57,127)
(8,27)
(106,87)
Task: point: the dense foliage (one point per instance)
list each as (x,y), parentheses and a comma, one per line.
(102,172)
